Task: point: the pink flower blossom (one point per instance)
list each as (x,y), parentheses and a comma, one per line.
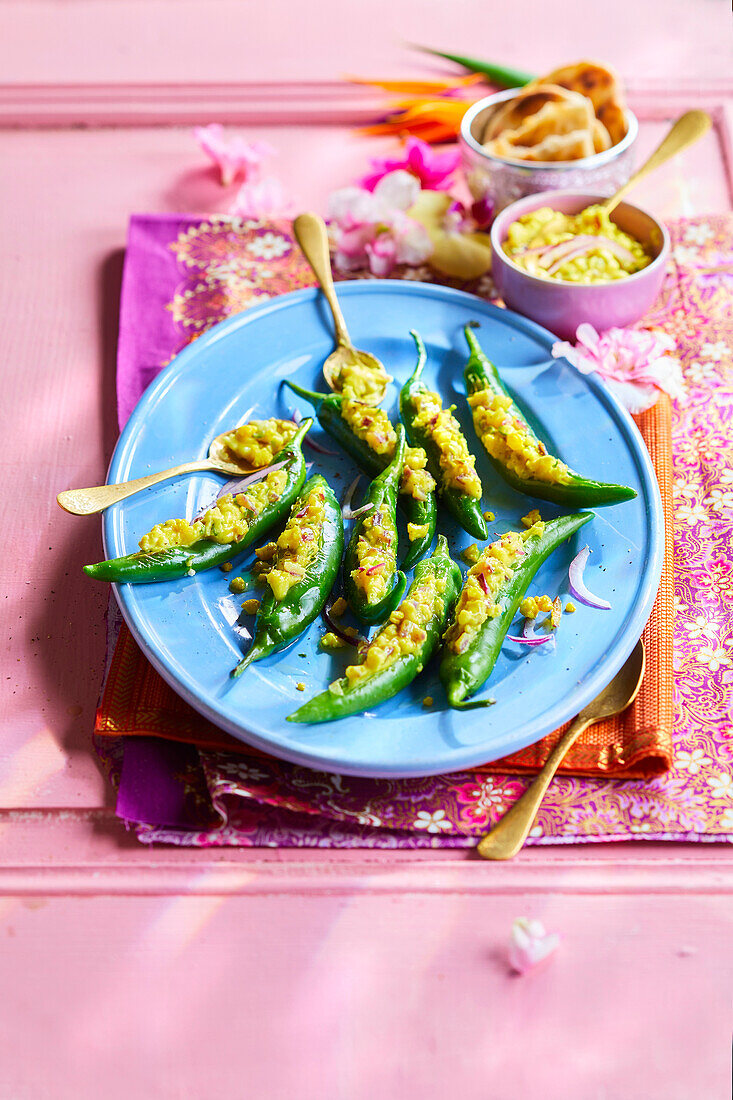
(232,155)
(530,944)
(260,199)
(635,363)
(372,228)
(432,169)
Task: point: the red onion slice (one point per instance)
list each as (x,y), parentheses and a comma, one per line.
(528,636)
(239,484)
(333,626)
(346,510)
(578,586)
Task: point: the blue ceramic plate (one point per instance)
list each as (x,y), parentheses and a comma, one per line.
(185,627)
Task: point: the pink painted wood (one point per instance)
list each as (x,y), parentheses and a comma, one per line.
(339,975)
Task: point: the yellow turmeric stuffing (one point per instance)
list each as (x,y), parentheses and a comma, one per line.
(251,607)
(339,607)
(569,607)
(226,567)
(332,641)
(300,687)
(532,605)
(471,554)
(237,584)
(427,701)
(489,516)
(266,552)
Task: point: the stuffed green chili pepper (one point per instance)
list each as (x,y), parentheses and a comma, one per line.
(372,584)
(368,437)
(397,652)
(493,590)
(515,451)
(178,548)
(436,430)
(302,573)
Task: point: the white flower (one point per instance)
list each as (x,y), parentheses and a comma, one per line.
(726,475)
(717,351)
(692,761)
(722,785)
(691,516)
(679,606)
(685,256)
(720,499)
(713,657)
(701,370)
(268,247)
(530,944)
(489,796)
(726,819)
(698,234)
(432,823)
(644,827)
(701,626)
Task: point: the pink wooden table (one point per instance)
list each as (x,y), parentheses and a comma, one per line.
(330,975)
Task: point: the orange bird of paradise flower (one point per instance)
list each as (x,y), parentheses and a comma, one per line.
(428,109)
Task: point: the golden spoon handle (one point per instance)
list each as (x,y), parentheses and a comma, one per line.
(688,128)
(509,834)
(311,235)
(85,502)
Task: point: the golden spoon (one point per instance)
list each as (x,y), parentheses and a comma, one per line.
(85,502)
(688,128)
(508,836)
(311,234)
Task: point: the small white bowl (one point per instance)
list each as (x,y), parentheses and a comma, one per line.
(505,181)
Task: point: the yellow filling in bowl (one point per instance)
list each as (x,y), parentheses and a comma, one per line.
(576,248)
(227,521)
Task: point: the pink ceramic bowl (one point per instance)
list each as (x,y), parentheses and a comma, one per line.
(562,306)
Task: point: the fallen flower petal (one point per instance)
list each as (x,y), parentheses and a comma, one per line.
(530,944)
(232,155)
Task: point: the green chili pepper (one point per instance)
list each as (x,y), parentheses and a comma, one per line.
(280,622)
(177,561)
(462,674)
(463,507)
(350,696)
(575,491)
(421,513)
(382,495)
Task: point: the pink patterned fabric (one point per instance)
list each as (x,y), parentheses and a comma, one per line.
(250,801)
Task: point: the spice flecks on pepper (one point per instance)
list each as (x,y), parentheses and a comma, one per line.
(507,439)
(298,544)
(405,631)
(227,521)
(481,591)
(456,461)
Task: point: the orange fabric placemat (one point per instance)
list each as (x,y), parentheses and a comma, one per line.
(137,701)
